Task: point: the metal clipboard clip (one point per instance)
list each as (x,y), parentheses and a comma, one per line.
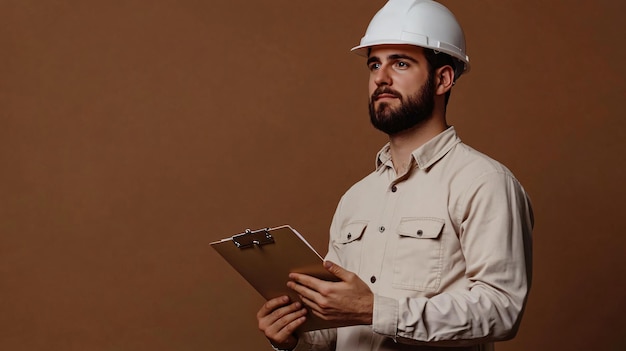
(253,238)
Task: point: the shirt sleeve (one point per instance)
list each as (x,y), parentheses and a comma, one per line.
(317,340)
(495,221)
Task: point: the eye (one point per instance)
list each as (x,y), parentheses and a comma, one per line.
(374,66)
(402,64)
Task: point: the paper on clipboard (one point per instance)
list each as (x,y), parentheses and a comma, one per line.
(265,258)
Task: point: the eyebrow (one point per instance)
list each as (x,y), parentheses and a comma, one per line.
(392,57)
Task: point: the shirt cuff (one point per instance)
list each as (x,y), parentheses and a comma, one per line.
(385,317)
(295,348)
(301,345)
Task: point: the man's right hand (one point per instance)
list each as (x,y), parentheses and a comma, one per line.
(278,320)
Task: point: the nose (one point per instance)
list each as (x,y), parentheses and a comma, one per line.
(381,76)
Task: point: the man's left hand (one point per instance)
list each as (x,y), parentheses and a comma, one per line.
(349,301)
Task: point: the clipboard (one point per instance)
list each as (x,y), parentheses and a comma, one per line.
(265,257)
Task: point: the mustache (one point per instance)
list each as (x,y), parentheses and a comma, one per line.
(385,90)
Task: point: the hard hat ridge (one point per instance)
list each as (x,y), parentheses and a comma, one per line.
(424,23)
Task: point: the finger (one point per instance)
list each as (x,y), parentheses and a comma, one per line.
(286,337)
(272,323)
(289,319)
(319,315)
(315,301)
(304,291)
(306,280)
(270,305)
(288,323)
(313,306)
(337,270)
(281,313)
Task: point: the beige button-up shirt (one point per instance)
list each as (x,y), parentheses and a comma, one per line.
(445,248)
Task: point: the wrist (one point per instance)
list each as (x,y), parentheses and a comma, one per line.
(285,347)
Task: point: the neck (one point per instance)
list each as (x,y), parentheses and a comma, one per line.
(402,144)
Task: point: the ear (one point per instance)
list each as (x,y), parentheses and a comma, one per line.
(444,79)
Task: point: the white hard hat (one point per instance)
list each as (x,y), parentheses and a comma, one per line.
(422,23)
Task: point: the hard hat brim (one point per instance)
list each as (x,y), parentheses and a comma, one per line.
(362,50)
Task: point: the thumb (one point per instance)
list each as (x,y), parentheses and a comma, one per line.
(336,270)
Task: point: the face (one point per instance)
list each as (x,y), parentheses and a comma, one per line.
(400,86)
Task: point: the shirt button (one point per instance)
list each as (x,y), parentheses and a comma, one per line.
(381,229)
(349,235)
(420,232)
(394,189)
(373,279)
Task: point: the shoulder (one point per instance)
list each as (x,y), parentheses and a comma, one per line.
(471,175)
(467,170)
(472,162)
(480,180)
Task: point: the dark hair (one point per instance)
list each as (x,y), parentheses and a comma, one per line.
(438,59)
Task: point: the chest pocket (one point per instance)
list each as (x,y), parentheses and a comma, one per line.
(418,262)
(349,246)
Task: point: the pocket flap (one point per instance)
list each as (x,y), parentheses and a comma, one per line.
(421,227)
(352,231)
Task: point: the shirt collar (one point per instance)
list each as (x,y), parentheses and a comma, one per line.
(425,155)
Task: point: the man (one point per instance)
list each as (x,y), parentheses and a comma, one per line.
(432,249)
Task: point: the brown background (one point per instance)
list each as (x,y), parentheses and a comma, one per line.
(133,133)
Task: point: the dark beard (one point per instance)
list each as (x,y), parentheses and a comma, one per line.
(417,109)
